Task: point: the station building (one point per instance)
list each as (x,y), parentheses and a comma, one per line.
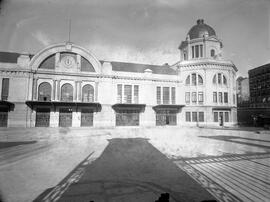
(65,85)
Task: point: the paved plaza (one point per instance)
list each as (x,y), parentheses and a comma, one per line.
(114,165)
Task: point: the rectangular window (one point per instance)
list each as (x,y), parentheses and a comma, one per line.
(225,97)
(193,79)
(201,50)
(173,95)
(5,88)
(215,116)
(127,94)
(219,78)
(188,118)
(200,97)
(194,97)
(193,52)
(166,95)
(187,97)
(136,94)
(197,51)
(233,98)
(194,117)
(119,93)
(201,116)
(220,100)
(158,95)
(226,116)
(215,97)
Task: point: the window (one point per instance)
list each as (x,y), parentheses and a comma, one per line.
(201,50)
(226,116)
(197,51)
(119,93)
(188,80)
(194,97)
(215,79)
(136,94)
(219,78)
(225,97)
(233,98)
(88,93)
(187,97)
(200,80)
(201,116)
(194,117)
(215,97)
(127,94)
(44,91)
(188,117)
(215,116)
(67,92)
(220,100)
(166,95)
(200,97)
(193,53)
(193,77)
(5,88)
(173,95)
(212,52)
(158,95)
(185,56)
(224,80)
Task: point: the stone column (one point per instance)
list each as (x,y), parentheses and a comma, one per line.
(54,89)
(58,90)
(75,91)
(79,91)
(96,92)
(34,93)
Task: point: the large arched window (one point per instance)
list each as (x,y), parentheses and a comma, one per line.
(219,79)
(67,92)
(88,93)
(194,79)
(44,91)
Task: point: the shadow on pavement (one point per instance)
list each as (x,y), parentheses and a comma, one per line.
(4,145)
(131,170)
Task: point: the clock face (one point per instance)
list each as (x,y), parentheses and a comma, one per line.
(68,61)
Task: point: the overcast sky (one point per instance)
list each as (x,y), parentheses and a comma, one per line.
(144,31)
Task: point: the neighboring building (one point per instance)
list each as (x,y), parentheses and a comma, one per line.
(257,110)
(242,90)
(65,85)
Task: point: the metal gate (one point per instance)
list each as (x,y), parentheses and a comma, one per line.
(87,117)
(165,117)
(3,117)
(65,117)
(43,117)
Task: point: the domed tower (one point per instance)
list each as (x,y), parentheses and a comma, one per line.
(208,80)
(201,42)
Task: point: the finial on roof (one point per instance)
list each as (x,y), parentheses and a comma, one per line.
(200,21)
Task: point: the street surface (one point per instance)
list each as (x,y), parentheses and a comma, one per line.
(191,164)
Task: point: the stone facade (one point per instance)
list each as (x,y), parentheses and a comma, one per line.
(66,85)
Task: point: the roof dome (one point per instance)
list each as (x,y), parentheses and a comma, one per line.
(197,31)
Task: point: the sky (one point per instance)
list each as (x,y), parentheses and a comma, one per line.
(142,31)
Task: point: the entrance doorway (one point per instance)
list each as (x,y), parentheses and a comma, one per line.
(3,117)
(42,117)
(165,117)
(86,117)
(65,117)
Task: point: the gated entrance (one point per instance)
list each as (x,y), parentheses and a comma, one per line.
(127,117)
(42,117)
(3,117)
(165,117)
(87,117)
(65,117)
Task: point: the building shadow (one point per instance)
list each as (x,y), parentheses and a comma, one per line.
(4,145)
(129,170)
